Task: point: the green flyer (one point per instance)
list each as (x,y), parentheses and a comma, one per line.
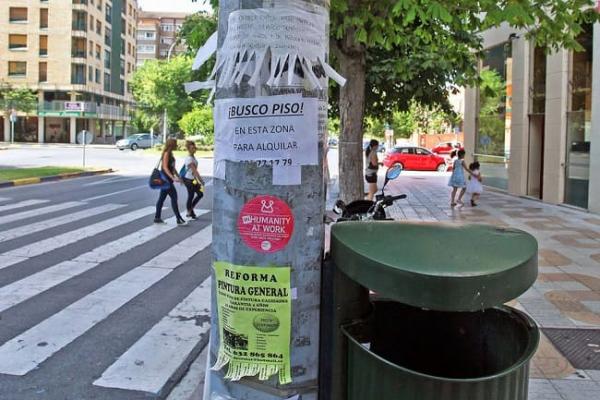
(255,317)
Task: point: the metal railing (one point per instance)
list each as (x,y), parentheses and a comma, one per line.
(105,111)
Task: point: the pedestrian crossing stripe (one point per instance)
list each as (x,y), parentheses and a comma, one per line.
(39,211)
(32,285)
(149,364)
(21,204)
(53,243)
(2,199)
(28,350)
(35,227)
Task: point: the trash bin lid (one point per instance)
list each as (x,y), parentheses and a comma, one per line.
(437,266)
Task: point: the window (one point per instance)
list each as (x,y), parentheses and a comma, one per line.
(129,48)
(107,36)
(91,47)
(17,42)
(107,82)
(98,52)
(166,27)
(43,72)
(99,5)
(123,26)
(122,67)
(128,68)
(92,19)
(422,152)
(43,45)
(97,75)
(406,150)
(17,14)
(79,21)
(43,18)
(108,14)
(90,74)
(106,59)
(99,27)
(147,49)
(17,68)
(78,74)
(78,47)
(166,40)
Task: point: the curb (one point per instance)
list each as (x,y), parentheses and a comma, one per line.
(53,178)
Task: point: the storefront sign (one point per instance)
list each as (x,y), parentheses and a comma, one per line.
(266,224)
(254,307)
(277,130)
(74,106)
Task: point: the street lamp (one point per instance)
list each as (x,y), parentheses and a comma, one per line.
(165,116)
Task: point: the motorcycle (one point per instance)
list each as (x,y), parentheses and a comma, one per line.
(367,210)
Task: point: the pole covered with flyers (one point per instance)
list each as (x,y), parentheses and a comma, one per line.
(269,85)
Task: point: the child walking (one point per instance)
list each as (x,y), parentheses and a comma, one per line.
(474,187)
(457,179)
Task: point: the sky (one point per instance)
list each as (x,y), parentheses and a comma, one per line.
(173,5)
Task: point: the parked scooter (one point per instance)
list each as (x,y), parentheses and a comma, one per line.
(367,210)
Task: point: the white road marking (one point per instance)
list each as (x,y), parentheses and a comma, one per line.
(53,243)
(28,350)
(14,233)
(26,288)
(113,193)
(22,204)
(39,211)
(114,179)
(156,356)
(4,199)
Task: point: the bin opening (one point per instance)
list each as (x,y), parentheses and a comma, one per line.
(453,345)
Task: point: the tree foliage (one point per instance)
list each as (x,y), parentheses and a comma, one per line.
(158,85)
(200,122)
(18,99)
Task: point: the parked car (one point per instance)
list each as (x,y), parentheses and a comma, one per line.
(138,141)
(415,158)
(447,147)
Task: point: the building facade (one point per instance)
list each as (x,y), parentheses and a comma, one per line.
(78,55)
(534,121)
(157,32)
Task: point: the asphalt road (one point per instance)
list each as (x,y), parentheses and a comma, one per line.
(97,302)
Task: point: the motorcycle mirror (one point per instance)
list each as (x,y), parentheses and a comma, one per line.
(393,173)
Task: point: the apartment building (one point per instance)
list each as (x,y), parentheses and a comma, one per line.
(535,127)
(78,55)
(157,31)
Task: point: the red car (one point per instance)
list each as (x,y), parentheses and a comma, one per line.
(447,147)
(415,158)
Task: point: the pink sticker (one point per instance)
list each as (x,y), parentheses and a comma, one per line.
(266,224)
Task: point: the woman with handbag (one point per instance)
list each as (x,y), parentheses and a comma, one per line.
(372,167)
(167,168)
(192,179)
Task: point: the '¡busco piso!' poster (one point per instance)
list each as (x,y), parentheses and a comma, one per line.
(255,308)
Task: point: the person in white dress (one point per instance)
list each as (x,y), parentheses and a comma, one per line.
(474,186)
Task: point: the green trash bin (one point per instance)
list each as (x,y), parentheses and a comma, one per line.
(438,327)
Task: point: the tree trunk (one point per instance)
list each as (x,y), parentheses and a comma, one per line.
(352,109)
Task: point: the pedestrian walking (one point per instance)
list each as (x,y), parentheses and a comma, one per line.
(474,186)
(457,179)
(167,167)
(372,167)
(192,180)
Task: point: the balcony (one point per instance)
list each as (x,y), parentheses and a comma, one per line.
(90,110)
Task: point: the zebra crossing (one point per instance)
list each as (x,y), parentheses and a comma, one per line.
(131,258)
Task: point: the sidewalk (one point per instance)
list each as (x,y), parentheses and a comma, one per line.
(565,300)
